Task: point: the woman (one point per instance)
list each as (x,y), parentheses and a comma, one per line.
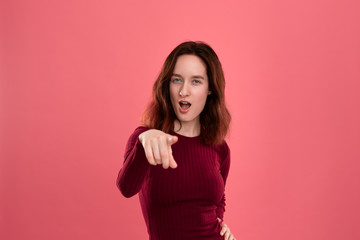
(178,161)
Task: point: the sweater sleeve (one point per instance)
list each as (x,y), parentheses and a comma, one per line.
(135,166)
(224,170)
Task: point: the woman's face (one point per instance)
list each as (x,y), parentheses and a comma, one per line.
(189,88)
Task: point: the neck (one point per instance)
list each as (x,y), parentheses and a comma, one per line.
(189,129)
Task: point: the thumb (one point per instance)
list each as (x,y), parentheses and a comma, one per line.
(172,139)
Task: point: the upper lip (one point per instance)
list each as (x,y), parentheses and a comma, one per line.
(182,101)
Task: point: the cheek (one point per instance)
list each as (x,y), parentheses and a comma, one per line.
(203,96)
(172,91)
(172,94)
(201,100)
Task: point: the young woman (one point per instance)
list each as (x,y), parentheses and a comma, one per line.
(178,160)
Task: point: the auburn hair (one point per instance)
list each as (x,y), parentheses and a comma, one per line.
(215,117)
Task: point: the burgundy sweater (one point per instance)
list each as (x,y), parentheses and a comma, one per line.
(181,203)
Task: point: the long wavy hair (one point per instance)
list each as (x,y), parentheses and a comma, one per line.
(215,117)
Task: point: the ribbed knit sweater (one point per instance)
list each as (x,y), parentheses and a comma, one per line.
(181,203)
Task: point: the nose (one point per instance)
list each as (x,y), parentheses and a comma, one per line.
(184,91)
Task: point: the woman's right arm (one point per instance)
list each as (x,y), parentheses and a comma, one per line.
(145,146)
(135,166)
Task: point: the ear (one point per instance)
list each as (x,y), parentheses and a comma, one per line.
(209,92)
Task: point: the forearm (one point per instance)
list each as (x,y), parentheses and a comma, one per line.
(221,208)
(135,168)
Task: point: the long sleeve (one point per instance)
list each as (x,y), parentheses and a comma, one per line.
(135,166)
(224,170)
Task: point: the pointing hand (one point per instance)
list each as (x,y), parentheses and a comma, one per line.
(157,147)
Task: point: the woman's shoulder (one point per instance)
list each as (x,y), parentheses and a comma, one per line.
(135,134)
(141,129)
(138,130)
(223,150)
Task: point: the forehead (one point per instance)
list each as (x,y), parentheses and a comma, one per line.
(189,64)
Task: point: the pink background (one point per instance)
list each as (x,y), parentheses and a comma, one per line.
(76,75)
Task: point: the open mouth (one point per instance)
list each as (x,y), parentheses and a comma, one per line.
(184,105)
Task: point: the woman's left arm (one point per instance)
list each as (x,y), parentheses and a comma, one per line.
(224,170)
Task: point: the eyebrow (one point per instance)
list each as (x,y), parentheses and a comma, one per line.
(195,76)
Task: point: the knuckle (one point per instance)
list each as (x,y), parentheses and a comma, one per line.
(164,154)
(155,142)
(160,137)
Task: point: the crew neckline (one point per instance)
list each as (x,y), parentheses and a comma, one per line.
(186,137)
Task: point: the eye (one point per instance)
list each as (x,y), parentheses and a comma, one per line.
(175,80)
(196,82)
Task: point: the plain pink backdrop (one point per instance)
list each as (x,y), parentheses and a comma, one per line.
(76,75)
